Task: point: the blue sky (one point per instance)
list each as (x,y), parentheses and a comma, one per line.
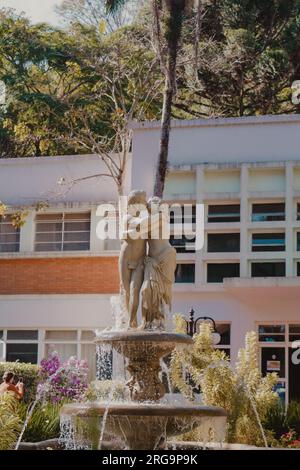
(36,10)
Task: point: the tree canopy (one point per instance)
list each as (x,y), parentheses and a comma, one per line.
(68,88)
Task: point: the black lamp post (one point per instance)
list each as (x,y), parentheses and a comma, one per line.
(191,325)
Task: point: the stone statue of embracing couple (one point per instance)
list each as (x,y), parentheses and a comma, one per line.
(147,261)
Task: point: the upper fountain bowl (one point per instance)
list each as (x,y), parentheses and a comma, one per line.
(144,351)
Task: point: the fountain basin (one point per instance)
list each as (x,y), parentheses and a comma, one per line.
(144,351)
(143,426)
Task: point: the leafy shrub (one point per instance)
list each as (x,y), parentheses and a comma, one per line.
(242,392)
(43,423)
(65,381)
(293,416)
(10,423)
(283,421)
(29,373)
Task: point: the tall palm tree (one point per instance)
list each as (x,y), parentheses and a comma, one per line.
(173,14)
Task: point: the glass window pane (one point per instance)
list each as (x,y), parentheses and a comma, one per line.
(48,237)
(1,334)
(216,272)
(88,353)
(77,226)
(183,214)
(223,242)
(61,335)
(49,217)
(70,246)
(224,330)
(49,227)
(10,237)
(271,333)
(87,335)
(8,228)
(22,352)
(184,244)
(77,237)
(9,247)
(48,247)
(22,334)
(268,212)
(77,216)
(185,273)
(224,213)
(268,269)
(273,360)
(268,242)
(294,332)
(65,351)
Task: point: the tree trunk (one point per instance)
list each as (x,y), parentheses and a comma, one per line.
(173,18)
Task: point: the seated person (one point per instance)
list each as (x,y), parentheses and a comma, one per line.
(8,386)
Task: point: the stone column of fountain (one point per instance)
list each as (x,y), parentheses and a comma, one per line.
(147,266)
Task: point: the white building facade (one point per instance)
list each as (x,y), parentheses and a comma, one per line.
(246,172)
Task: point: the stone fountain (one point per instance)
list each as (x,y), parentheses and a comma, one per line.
(147,265)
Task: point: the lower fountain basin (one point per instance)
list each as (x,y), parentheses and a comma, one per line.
(142,426)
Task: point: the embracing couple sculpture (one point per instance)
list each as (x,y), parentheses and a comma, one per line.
(147,262)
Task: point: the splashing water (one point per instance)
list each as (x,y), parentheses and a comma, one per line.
(27,419)
(119,312)
(165,370)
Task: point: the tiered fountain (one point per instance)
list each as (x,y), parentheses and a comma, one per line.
(144,422)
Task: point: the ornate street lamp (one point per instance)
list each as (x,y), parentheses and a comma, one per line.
(191,326)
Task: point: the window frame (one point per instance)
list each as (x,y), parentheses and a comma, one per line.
(63,220)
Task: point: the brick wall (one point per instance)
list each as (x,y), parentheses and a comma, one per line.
(59,276)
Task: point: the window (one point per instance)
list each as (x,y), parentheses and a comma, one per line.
(268,212)
(185,273)
(224,331)
(276,356)
(271,333)
(68,343)
(268,242)
(2,358)
(183,214)
(63,232)
(223,242)
(298,211)
(22,346)
(298,241)
(9,236)
(216,272)
(298,269)
(224,213)
(268,269)
(183,244)
(294,332)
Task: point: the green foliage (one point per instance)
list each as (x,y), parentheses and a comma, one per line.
(238,391)
(29,374)
(44,422)
(10,423)
(247,61)
(64,84)
(293,416)
(275,420)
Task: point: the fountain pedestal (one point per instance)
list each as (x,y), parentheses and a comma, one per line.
(144,351)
